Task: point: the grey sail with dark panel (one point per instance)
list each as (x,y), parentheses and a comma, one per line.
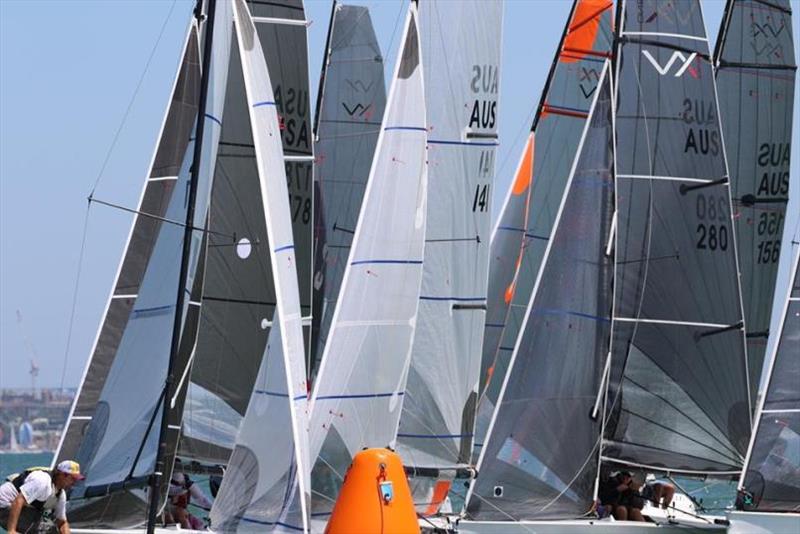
(351,103)
(678,397)
(755,61)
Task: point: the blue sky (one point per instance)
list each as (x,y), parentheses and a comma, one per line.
(69,73)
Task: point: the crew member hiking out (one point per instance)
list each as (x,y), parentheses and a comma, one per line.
(27,496)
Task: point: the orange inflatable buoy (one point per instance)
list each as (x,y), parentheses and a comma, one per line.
(375,497)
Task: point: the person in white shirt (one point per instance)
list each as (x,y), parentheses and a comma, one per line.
(25,498)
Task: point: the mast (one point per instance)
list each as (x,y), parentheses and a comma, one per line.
(155,480)
(322,76)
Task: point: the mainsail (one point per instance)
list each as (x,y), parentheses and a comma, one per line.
(267,480)
(351,102)
(678,384)
(169,154)
(755,62)
(540,458)
(120,446)
(526,218)
(358,393)
(461,53)
(772,475)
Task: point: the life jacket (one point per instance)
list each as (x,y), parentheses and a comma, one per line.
(18,479)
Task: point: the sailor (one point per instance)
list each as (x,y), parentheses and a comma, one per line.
(620,493)
(25,497)
(181,490)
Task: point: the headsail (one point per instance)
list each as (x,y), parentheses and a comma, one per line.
(350,106)
(772,475)
(267,481)
(358,393)
(540,458)
(461,53)
(755,62)
(282,29)
(526,218)
(679,396)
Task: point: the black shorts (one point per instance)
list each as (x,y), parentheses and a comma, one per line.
(31,521)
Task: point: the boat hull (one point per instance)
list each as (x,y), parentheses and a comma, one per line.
(763,522)
(588,526)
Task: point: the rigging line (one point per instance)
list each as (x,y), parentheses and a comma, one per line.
(74,298)
(590,456)
(394,31)
(133,97)
(162,219)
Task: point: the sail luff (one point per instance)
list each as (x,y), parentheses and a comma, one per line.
(72,431)
(518,450)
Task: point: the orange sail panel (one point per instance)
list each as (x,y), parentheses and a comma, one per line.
(582,32)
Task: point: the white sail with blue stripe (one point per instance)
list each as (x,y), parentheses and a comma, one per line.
(358,393)
(267,484)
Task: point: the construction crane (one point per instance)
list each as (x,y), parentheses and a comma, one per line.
(34,369)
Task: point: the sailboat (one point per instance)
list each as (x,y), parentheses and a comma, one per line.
(126,456)
(652,336)
(350,105)
(755,73)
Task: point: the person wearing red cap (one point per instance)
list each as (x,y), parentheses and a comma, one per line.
(26,497)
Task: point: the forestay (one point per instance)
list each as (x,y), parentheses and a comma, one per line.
(350,106)
(772,475)
(359,389)
(267,481)
(120,443)
(540,458)
(461,53)
(526,218)
(679,397)
(755,62)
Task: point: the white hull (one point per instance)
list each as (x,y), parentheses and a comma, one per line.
(580,526)
(763,523)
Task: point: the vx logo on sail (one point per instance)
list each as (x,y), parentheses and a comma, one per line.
(676,56)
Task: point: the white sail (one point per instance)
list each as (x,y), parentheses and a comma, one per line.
(359,389)
(274,491)
(461,52)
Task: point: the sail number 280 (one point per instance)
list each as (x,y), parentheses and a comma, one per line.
(712,231)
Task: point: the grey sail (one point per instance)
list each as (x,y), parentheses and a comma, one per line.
(119,449)
(172,145)
(351,102)
(678,395)
(772,475)
(526,218)
(282,29)
(540,458)
(755,62)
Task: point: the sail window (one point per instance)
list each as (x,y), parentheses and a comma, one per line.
(244,248)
